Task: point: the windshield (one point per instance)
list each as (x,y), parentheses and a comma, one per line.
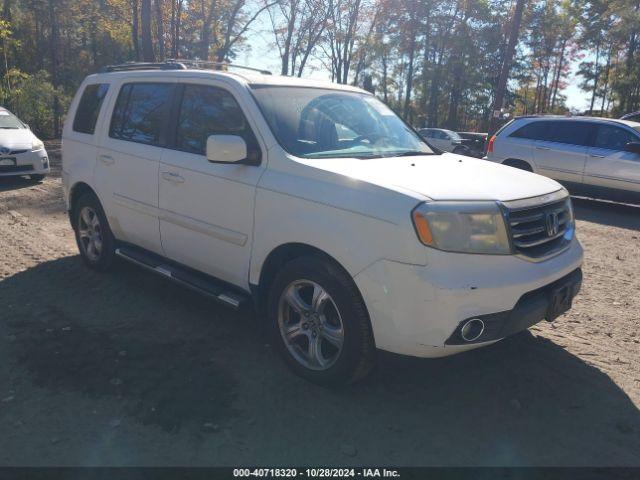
(319,123)
(9,121)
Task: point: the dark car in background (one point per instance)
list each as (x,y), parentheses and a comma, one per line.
(475,142)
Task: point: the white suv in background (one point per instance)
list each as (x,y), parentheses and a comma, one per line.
(318,204)
(21,152)
(592,156)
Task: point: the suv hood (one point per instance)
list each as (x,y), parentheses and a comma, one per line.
(443,177)
(16,139)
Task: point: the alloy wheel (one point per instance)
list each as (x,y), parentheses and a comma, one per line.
(90,233)
(310,325)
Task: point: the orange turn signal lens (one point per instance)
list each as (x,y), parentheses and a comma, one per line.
(422,227)
(491,142)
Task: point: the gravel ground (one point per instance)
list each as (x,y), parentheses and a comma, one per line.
(127,369)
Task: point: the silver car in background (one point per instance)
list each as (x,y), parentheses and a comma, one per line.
(445,140)
(591,156)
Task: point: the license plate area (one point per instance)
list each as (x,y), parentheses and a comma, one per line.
(7,161)
(561,299)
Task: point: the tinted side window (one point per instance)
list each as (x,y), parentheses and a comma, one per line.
(140,112)
(89,108)
(532,131)
(613,138)
(205,111)
(573,133)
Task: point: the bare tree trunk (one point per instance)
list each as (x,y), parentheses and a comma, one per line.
(556,83)
(385,77)
(135,29)
(53,45)
(160,29)
(176,40)
(596,75)
(606,81)
(412,51)
(506,66)
(145,20)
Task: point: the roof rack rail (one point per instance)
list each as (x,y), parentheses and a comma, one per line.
(123,67)
(207,64)
(178,64)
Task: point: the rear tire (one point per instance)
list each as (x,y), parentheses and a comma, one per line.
(93,235)
(319,322)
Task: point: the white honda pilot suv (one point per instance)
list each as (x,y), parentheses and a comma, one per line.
(319,205)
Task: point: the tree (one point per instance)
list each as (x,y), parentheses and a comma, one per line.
(506,65)
(145,20)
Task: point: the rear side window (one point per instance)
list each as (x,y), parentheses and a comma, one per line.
(613,138)
(89,108)
(141,112)
(532,131)
(207,110)
(573,133)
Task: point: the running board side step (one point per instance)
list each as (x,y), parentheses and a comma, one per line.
(198,282)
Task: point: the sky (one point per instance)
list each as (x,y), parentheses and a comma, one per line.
(263,53)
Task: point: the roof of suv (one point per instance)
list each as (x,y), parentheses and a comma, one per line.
(629,123)
(250,78)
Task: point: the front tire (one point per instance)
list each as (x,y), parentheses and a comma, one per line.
(320,323)
(93,235)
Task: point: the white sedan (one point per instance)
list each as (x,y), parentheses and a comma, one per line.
(21,152)
(445,140)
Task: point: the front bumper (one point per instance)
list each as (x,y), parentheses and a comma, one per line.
(531,308)
(415,310)
(26,163)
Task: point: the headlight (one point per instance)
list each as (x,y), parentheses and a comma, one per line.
(465,227)
(36,144)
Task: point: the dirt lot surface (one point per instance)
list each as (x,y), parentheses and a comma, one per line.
(125,368)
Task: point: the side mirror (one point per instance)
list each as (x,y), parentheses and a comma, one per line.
(226,149)
(633,147)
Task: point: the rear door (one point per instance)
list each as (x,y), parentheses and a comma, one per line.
(127,168)
(609,165)
(206,209)
(561,152)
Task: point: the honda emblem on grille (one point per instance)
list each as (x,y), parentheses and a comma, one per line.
(552,223)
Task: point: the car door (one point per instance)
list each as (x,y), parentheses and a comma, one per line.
(206,209)
(126,173)
(561,153)
(609,165)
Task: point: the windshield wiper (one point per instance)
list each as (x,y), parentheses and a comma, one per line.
(412,153)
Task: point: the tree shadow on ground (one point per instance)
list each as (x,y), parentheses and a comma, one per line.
(613,214)
(171,359)
(15,183)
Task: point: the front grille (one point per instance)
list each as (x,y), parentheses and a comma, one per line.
(18,152)
(15,168)
(539,231)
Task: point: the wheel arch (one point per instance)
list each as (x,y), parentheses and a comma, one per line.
(519,163)
(75,192)
(281,255)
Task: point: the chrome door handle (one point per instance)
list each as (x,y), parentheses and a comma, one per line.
(172,177)
(596,156)
(543,148)
(107,159)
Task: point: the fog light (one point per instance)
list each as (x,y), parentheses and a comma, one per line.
(45,162)
(472,330)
